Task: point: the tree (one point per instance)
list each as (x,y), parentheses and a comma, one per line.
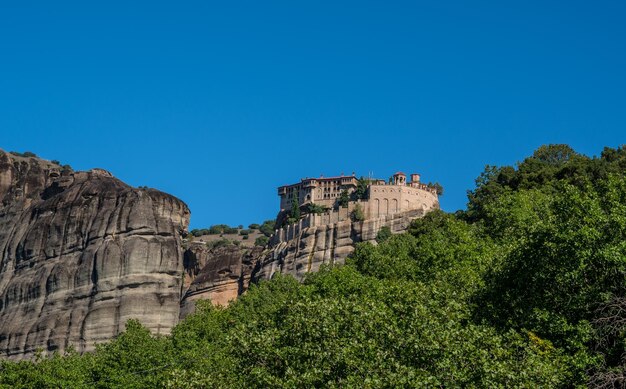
(361,188)
(438,188)
(554,154)
(267,228)
(344,199)
(294,214)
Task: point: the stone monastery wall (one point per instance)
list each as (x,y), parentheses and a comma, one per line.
(383,199)
(390,199)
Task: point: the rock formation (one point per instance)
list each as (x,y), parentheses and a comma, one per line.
(297,250)
(218,274)
(82,253)
(222,274)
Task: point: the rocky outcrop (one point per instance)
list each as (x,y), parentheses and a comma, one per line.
(82,253)
(298,250)
(219,274)
(222,274)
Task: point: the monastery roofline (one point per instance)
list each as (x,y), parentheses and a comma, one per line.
(319,179)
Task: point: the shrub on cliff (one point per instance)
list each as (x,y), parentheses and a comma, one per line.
(267,228)
(314,208)
(261,241)
(383,234)
(26,154)
(357,213)
(344,199)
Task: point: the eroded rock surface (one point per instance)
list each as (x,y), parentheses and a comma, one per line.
(297,251)
(222,274)
(82,253)
(219,274)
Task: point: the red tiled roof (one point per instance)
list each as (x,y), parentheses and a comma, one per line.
(399,173)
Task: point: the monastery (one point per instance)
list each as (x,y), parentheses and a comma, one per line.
(381,198)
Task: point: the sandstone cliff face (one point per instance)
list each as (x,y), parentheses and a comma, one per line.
(219,274)
(82,253)
(298,251)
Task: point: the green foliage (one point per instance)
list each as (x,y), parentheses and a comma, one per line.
(217,229)
(294,213)
(26,154)
(254,226)
(315,208)
(361,189)
(437,186)
(219,243)
(344,199)
(383,234)
(261,241)
(357,213)
(267,228)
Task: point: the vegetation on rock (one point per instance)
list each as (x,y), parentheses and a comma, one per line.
(344,199)
(261,241)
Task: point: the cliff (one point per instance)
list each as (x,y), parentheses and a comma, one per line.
(219,274)
(82,253)
(298,249)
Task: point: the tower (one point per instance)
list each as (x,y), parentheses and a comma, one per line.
(399,178)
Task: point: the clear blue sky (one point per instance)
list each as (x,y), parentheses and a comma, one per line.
(219,103)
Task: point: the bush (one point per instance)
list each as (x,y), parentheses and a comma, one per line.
(244,232)
(218,243)
(199,232)
(230,231)
(26,154)
(383,234)
(357,213)
(217,229)
(254,226)
(315,208)
(267,228)
(262,241)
